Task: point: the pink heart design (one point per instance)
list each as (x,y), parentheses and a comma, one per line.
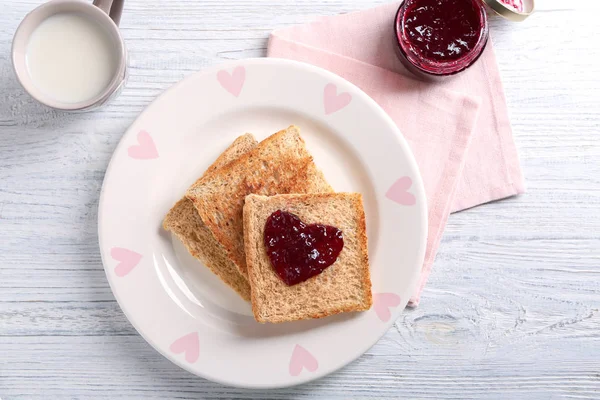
(189,345)
(233,83)
(398,192)
(301,358)
(334,102)
(145,150)
(128,260)
(382,303)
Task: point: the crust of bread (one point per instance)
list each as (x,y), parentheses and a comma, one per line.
(185,223)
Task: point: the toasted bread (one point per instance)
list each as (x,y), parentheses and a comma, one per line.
(183,220)
(279,164)
(343,286)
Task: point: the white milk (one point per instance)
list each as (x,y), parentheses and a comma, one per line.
(71,58)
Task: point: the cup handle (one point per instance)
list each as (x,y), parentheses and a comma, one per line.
(114,8)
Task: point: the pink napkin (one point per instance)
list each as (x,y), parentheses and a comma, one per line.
(458,130)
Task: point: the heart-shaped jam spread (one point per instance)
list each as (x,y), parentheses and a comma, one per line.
(299,251)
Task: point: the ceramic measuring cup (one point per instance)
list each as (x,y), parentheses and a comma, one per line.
(107,14)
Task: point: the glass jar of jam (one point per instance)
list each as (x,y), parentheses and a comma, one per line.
(439,38)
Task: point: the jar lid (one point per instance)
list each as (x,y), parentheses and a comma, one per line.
(514,10)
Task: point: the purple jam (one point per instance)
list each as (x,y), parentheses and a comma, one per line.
(442,30)
(516,4)
(299,251)
(441,37)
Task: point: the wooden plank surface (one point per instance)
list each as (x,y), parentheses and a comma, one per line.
(512,309)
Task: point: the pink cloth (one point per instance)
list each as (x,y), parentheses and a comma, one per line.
(458,130)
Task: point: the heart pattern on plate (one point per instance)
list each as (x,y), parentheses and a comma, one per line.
(145,149)
(233,82)
(301,358)
(399,193)
(189,345)
(128,260)
(382,302)
(333,101)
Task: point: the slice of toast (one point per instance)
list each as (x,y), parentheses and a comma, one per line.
(183,221)
(279,164)
(343,286)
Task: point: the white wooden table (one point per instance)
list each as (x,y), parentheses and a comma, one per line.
(512,309)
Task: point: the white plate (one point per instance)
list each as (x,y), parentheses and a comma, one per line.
(173,301)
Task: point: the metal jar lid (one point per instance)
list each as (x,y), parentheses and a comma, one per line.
(510,12)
